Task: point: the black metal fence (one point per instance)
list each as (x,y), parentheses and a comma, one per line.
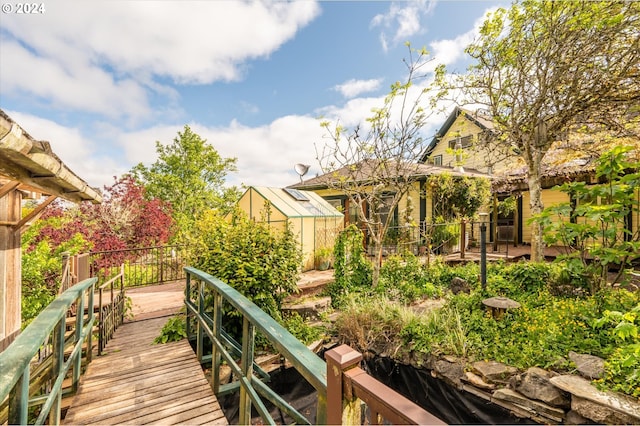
(443,238)
(141,266)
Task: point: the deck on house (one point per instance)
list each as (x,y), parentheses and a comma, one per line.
(138,382)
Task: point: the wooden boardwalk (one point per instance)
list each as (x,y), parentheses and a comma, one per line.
(139,382)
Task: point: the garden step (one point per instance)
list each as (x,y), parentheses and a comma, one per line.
(310,307)
(312,283)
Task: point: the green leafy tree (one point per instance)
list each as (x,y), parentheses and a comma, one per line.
(189,174)
(376,164)
(546,67)
(456,197)
(594,227)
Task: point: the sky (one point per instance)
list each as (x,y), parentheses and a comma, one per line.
(102,81)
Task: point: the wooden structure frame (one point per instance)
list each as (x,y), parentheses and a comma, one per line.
(28,169)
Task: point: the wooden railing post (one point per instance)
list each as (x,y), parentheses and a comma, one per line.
(342,407)
(248,337)
(463,237)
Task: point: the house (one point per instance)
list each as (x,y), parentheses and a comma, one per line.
(314,221)
(414,208)
(465,139)
(28,168)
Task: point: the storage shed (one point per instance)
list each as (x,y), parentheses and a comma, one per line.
(314,221)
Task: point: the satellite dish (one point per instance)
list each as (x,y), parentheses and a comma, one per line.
(301,169)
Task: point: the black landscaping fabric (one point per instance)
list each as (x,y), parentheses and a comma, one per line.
(446,402)
(451,405)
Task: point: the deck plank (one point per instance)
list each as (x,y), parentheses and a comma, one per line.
(139,382)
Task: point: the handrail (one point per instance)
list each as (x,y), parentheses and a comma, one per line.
(310,366)
(111,315)
(15,361)
(348,381)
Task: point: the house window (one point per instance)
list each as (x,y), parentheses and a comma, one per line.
(465,141)
(437,160)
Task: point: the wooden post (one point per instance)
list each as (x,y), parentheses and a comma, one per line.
(341,408)
(248,337)
(217,335)
(10,258)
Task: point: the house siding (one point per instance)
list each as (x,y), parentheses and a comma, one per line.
(549,198)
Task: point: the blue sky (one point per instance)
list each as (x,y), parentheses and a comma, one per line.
(104,80)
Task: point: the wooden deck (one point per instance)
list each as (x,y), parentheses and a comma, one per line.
(139,382)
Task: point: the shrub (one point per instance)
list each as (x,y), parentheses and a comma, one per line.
(352,270)
(260,263)
(175,329)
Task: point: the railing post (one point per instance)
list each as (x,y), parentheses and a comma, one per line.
(91,316)
(342,407)
(248,336)
(100,323)
(215,353)
(19,400)
(199,328)
(58,361)
(77,363)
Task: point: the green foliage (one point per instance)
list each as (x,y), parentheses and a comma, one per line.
(257,261)
(622,369)
(302,331)
(190,175)
(174,330)
(406,280)
(594,226)
(456,197)
(352,269)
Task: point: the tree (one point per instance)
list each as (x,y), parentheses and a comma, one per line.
(545,68)
(190,175)
(378,168)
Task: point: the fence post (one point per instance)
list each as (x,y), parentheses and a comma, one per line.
(342,407)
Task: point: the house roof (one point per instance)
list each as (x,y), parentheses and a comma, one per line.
(361,172)
(565,162)
(33,164)
(477,117)
(293,203)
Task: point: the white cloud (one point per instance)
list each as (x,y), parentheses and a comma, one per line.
(353,87)
(102,56)
(449,51)
(74,149)
(403,21)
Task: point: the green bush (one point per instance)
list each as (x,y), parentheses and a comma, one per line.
(302,331)
(260,263)
(174,330)
(353,271)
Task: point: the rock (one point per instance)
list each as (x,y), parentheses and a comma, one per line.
(589,366)
(552,413)
(599,413)
(475,380)
(459,285)
(534,384)
(574,418)
(599,406)
(494,371)
(450,371)
(308,307)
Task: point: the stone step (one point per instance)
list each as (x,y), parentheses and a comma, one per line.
(308,307)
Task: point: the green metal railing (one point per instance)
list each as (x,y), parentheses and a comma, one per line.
(27,384)
(208,318)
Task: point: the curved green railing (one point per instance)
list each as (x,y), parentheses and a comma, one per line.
(201,285)
(25,382)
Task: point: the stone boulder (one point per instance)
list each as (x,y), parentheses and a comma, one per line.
(596,405)
(589,366)
(534,384)
(451,370)
(551,414)
(459,285)
(494,372)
